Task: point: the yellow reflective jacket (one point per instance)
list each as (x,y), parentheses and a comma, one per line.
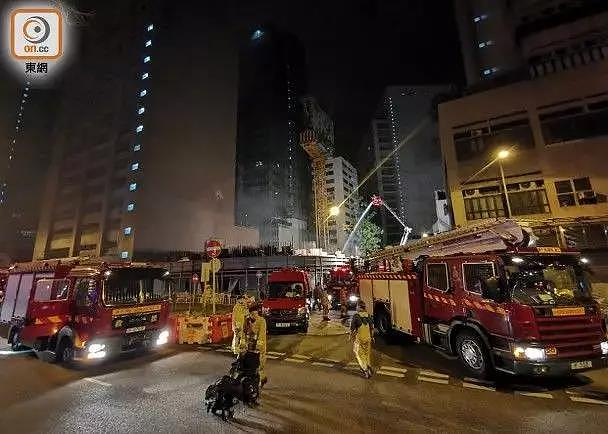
(239,314)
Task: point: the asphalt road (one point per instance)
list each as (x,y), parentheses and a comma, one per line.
(312,388)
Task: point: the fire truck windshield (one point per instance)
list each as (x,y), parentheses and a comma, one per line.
(546,280)
(285,290)
(135,286)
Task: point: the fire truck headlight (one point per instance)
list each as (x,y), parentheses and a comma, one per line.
(353,299)
(604,347)
(96,351)
(531,353)
(163,337)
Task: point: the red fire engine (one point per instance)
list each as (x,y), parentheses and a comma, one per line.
(286,300)
(80,309)
(481,293)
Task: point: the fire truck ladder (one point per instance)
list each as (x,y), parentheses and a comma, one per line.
(318,155)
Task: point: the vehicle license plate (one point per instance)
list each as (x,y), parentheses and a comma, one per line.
(136,329)
(581,365)
(283,324)
(568,311)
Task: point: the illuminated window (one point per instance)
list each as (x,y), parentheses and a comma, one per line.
(139,128)
(134,166)
(146,59)
(136,148)
(144,75)
(144,92)
(124,254)
(141,110)
(257,35)
(150,27)
(133,186)
(127,230)
(148,43)
(131,207)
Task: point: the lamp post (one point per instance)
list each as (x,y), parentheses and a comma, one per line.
(333,212)
(501,156)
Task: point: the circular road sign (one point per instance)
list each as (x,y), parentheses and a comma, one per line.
(213,248)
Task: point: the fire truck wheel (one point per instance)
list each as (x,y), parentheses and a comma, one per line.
(65,352)
(383,322)
(473,353)
(16,342)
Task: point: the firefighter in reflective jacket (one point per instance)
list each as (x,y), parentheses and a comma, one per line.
(257,338)
(240,312)
(361,334)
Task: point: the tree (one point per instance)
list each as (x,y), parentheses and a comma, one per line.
(370,236)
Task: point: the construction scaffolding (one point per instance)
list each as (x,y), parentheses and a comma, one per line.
(318,155)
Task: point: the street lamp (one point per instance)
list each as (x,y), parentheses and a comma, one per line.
(503,154)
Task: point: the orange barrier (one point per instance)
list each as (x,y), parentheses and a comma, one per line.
(220,327)
(173,329)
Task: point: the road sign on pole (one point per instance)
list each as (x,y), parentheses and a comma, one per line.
(213,248)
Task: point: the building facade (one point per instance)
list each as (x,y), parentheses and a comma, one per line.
(144,158)
(407,181)
(341,180)
(553,123)
(273,179)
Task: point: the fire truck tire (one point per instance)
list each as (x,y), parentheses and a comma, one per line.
(16,342)
(473,354)
(382,320)
(65,352)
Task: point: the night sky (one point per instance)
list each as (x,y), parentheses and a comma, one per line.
(355,48)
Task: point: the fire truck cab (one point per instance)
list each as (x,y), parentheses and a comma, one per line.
(85,310)
(497,305)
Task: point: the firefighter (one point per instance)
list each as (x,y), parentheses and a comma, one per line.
(325,302)
(240,312)
(257,339)
(362,336)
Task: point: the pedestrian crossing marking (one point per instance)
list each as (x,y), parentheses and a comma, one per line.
(433,374)
(588,400)
(355,364)
(478,387)
(390,373)
(300,356)
(223,350)
(478,381)
(289,359)
(327,365)
(433,380)
(535,394)
(271,357)
(204,348)
(394,369)
(275,353)
(329,360)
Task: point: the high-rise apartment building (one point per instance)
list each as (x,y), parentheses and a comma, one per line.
(341,180)
(553,121)
(515,39)
(407,181)
(144,147)
(273,179)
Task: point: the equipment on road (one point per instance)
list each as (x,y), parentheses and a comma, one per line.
(241,384)
(486,294)
(85,309)
(285,305)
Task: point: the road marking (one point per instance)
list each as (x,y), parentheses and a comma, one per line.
(478,387)
(271,357)
(535,394)
(289,359)
(327,365)
(96,381)
(274,353)
(354,364)
(204,348)
(390,373)
(478,381)
(223,350)
(394,369)
(330,360)
(588,400)
(433,380)
(433,374)
(300,356)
